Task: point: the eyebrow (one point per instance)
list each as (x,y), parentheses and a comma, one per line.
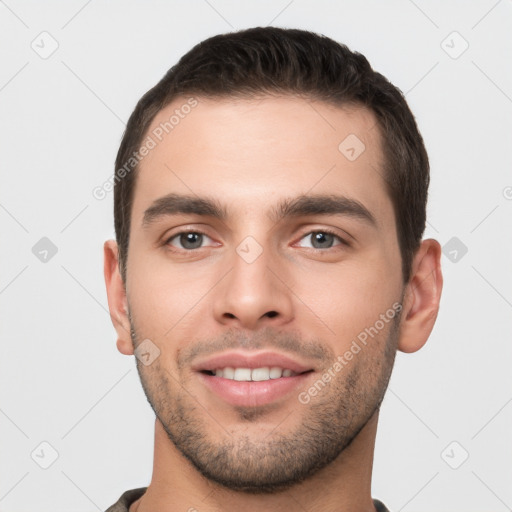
(317,204)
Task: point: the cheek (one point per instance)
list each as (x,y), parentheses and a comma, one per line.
(345,298)
(164,297)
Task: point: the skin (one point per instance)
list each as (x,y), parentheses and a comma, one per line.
(250,155)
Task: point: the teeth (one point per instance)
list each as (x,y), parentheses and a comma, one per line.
(242,374)
(275,372)
(260,373)
(228,373)
(255,374)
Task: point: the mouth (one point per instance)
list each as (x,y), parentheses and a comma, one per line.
(253,374)
(247,380)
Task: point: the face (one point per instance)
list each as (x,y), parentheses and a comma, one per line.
(264,266)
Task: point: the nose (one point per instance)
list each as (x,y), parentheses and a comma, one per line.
(254,294)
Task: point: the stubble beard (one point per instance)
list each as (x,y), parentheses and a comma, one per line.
(284,458)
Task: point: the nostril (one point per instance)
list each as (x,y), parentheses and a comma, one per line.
(272,314)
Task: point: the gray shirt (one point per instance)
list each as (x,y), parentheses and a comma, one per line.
(128,497)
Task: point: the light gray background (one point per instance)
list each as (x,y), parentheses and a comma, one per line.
(62,380)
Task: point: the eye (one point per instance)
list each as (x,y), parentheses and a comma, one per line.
(188,240)
(323,239)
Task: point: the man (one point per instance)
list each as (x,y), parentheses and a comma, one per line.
(270,200)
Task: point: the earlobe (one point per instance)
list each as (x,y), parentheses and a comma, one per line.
(116,294)
(422,297)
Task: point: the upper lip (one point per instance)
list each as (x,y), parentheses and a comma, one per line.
(250,360)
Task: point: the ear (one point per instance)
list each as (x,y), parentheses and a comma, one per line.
(116,294)
(421,298)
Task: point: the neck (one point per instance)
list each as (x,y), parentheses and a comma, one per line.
(343,485)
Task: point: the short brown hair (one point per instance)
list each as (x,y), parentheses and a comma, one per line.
(271,60)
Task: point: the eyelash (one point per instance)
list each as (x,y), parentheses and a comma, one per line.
(309,233)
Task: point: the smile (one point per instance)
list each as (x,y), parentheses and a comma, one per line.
(249,379)
(253,374)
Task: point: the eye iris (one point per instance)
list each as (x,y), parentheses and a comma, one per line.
(323,240)
(191,240)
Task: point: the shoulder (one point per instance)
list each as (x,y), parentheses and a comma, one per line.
(379,506)
(126,499)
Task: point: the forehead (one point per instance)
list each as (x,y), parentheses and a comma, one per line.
(249,153)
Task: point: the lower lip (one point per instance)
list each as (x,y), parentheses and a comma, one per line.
(251,393)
